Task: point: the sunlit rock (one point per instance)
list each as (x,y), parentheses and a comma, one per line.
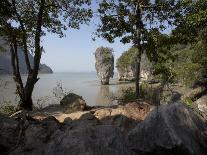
(104,64)
(174,129)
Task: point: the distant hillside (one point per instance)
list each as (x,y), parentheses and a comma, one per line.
(5,61)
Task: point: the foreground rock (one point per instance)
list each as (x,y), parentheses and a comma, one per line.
(8,134)
(133,110)
(196,93)
(104,64)
(174,130)
(73,102)
(201,106)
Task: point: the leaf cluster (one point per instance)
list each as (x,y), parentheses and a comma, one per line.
(127,59)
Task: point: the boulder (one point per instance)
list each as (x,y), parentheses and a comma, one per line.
(195,93)
(174,130)
(201,106)
(132,110)
(52,138)
(176,97)
(122,122)
(104,64)
(8,133)
(73,102)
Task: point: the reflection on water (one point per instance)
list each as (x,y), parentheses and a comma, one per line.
(85,84)
(103,96)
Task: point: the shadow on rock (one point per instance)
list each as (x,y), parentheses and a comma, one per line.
(174,129)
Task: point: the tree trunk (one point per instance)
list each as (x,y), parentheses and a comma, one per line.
(138,43)
(137,72)
(27,102)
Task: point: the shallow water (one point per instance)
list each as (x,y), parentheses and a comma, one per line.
(85,84)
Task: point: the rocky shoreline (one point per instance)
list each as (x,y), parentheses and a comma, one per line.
(134,128)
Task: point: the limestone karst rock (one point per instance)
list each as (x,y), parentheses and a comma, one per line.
(126,66)
(5,60)
(104,64)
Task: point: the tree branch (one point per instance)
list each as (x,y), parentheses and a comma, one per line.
(24,37)
(38,53)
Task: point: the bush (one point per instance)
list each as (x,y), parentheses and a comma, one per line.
(128,95)
(7,108)
(187,101)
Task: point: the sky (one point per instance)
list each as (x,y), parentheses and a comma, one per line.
(75,52)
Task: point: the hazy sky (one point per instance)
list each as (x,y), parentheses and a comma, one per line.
(75,52)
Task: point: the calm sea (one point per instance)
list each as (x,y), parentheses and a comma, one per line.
(50,88)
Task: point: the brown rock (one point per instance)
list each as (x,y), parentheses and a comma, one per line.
(73,102)
(131,110)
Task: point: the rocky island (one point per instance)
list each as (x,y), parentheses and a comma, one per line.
(104,64)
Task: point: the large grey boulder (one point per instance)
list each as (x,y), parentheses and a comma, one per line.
(52,138)
(174,130)
(8,133)
(104,64)
(73,102)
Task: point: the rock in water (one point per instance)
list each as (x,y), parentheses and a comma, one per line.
(73,102)
(104,64)
(174,130)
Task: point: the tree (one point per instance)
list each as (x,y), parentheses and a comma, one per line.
(191,29)
(25,24)
(131,20)
(190,20)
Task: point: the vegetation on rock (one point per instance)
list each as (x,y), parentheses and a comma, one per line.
(104,64)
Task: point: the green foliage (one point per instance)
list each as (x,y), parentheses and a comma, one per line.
(122,18)
(128,95)
(180,66)
(7,108)
(187,101)
(127,59)
(188,73)
(191,20)
(107,54)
